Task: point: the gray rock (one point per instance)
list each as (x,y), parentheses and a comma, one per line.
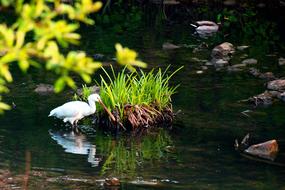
(44,89)
(199,72)
(267,76)
(208,63)
(239,65)
(229,2)
(220,62)
(169,46)
(281,96)
(254,71)
(250,61)
(267,150)
(195,59)
(264,98)
(223,51)
(204,67)
(234,69)
(274,94)
(281,61)
(278,85)
(244,56)
(261,5)
(241,48)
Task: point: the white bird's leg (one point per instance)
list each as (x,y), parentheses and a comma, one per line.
(74,126)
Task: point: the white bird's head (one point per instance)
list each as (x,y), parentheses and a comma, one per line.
(94,98)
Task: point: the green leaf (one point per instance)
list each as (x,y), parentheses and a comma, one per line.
(24,65)
(70,82)
(6,3)
(4,71)
(20,36)
(4,106)
(59,85)
(85,77)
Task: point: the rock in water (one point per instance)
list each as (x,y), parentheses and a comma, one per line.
(250,61)
(278,85)
(281,96)
(221,54)
(265,98)
(199,72)
(281,61)
(267,150)
(241,48)
(267,76)
(220,62)
(223,51)
(230,2)
(112,182)
(44,89)
(169,46)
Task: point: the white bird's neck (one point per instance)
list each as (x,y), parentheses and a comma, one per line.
(92,106)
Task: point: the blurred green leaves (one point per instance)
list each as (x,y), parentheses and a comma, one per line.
(128,57)
(51,27)
(43,20)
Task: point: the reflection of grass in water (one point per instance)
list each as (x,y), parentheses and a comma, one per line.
(126,155)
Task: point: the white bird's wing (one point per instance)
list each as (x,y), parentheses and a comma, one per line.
(70,109)
(206,23)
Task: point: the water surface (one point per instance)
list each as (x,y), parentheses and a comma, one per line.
(197,154)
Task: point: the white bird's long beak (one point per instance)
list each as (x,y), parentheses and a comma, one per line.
(106,109)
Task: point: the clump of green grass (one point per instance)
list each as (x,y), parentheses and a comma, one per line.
(141,100)
(137,89)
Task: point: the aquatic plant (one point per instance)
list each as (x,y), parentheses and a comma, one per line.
(140,99)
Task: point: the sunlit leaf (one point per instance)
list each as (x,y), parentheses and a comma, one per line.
(70,82)
(4,106)
(97,6)
(126,56)
(6,3)
(3,89)
(9,57)
(24,65)
(86,78)
(20,37)
(4,71)
(39,7)
(41,43)
(59,85)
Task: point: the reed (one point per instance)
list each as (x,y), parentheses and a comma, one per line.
(139,88)
(139,100)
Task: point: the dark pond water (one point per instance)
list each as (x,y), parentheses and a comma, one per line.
(197,154)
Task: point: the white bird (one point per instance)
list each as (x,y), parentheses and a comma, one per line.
(206,28)
(73,111)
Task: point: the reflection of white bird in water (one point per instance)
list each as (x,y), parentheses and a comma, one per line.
(76,143)
(206,28)
(73,111)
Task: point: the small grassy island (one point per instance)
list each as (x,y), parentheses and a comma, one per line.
(139,100)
